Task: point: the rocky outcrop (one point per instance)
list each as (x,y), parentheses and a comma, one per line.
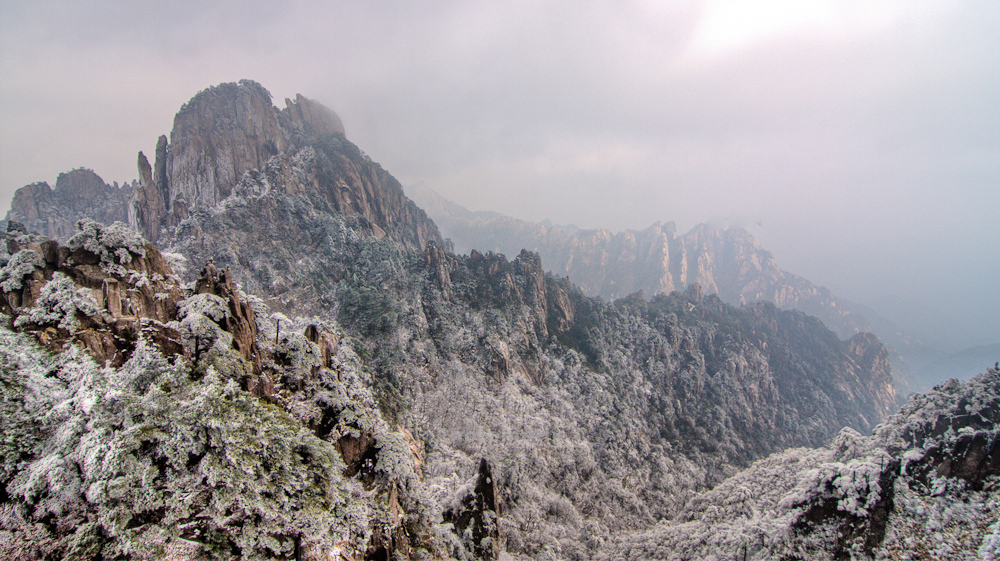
(78,194)
(103,291)
(520,282)
(231,135)
(221,133)
(240,321)
(477,515)
(150,198)
(117,289)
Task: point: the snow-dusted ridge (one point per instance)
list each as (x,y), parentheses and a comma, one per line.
(145,420)
(925,485)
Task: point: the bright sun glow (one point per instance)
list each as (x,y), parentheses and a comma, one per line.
(728,25)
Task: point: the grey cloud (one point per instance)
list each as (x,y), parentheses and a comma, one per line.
(864,158)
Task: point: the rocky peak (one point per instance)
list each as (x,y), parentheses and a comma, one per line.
(230,141)
(309,118)
(221,133)
(53,212)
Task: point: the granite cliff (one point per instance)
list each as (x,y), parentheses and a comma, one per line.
(232,134)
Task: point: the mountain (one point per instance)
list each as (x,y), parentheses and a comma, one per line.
(230,140)
(590,418)
(80,193)
(728,262)
(215,430)
(418,403)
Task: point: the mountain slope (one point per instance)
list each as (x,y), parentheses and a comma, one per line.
(594,418)
(141,420)
(926,485)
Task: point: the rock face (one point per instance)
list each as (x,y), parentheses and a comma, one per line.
(228,130)
(232,133)
(78,194)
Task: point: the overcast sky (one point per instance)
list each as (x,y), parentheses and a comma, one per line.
(859,140)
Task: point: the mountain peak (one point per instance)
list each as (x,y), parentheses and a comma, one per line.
(220,134)
(231,140)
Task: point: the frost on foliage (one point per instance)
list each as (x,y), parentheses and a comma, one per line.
(990,549)
(58,303)
(394,458)
(200,318)
(822,503)
(178,263)
(932,416)
(20,265)
(131,462)
(115,244)
(853,485)
(28,392)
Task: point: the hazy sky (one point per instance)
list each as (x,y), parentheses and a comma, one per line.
(859,140)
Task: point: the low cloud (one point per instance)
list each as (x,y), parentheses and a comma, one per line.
(862,149)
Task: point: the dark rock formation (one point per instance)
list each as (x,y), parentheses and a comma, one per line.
(478,514)
(854,531)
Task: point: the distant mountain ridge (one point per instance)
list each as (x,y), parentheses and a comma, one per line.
(80,193)
(729,262)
